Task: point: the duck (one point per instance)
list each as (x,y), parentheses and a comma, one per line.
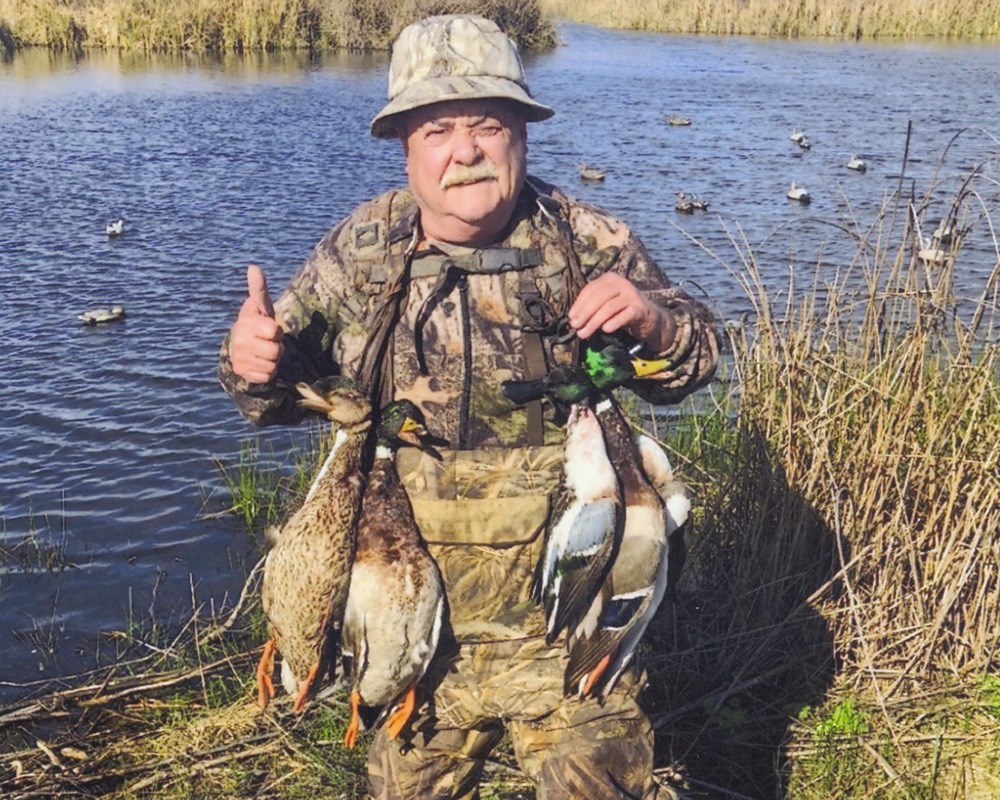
(804,143)
(396,604)
(931,251)
(605,366)
(677,120)
(603,644)
(589,173)
(857,164)
(797,135)
(581,544)
(98,316)
(307,571)
(799,193)
(689,203)
(115,228)
(657,467)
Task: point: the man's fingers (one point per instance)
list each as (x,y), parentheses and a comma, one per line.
(257,291)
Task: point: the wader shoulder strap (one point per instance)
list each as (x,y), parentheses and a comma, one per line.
(375,371)
(534,366)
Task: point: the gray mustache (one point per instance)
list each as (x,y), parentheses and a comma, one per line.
(459,175)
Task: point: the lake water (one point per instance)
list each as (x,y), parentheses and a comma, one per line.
(109,436)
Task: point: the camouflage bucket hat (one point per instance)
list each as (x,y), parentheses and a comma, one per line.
(453,57)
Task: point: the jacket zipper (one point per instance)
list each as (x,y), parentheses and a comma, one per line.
(463,408)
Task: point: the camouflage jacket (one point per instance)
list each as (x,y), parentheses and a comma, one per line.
(459,321)
(444,327)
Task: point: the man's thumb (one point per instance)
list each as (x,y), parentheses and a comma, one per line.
(257,290)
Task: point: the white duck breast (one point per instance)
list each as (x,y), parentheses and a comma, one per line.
(603,644)
(585,535)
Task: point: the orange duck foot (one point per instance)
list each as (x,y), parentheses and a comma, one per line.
(265,686)
(399,717)
(302,696)
(594,676)
(351,734)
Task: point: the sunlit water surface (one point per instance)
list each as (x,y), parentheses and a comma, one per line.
(110,436)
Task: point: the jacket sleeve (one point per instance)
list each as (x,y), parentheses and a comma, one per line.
(606,244)
(309,310)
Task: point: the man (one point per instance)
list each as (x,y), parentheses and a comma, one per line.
(474,274)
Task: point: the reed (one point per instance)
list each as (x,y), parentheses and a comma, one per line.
(841,604)
(845,19)
(224,26)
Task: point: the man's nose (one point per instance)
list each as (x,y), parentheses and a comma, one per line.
(466,147)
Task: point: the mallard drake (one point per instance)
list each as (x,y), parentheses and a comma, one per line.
(589,173)
(98,316)
(799,193)
(857,164)
(115,228)
(603,644)
(396,604)
(582,541)
(604,367)
(307,572)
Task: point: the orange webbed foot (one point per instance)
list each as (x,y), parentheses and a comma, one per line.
(265,686)
(595,675)
(302,696)
(351,734)
(402,713)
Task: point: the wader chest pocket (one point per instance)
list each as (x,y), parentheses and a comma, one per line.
(492,497)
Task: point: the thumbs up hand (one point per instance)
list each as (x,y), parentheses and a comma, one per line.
(255,340)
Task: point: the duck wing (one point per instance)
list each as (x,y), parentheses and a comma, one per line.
(307,572)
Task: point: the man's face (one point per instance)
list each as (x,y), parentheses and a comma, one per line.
(466,162)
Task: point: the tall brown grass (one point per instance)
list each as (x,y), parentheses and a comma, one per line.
(841,610)
(245,25)
(842,19)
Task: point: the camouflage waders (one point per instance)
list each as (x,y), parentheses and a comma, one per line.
(450,324)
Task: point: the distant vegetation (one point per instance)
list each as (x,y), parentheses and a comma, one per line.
(226,26)
(235,26)
(840,19)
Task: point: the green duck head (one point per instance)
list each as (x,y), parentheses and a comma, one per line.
(339,400)
(402,423)
(614,365)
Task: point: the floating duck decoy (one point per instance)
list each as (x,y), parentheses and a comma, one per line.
(857,164)
(97,316)
(944,232)
(677,120)
(689,203)
(931,252)
(581,543)
(396,604)
(799,193)
(603,644)
(589,173)
(308,571)
(115,228)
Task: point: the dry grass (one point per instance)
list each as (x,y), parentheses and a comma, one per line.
(847,19)
(245,25)
(840,615)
